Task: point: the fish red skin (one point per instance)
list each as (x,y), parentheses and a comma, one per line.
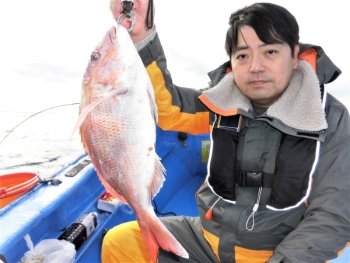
(117,123)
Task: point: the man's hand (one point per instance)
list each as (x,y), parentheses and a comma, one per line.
(140,30)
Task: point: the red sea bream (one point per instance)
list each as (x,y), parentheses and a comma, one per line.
(117,121)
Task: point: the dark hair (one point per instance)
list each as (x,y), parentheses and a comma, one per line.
(272,24)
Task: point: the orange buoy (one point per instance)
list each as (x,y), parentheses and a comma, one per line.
(15,185)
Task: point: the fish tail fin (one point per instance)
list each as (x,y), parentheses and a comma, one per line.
(158,176)
(156,235)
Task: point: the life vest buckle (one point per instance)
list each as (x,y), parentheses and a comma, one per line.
(249,179)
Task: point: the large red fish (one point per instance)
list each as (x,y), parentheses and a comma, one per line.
(117,123)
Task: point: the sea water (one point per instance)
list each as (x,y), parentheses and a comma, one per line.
(42,143)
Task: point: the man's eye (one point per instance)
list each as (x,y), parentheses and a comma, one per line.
(271,52)
(95,56)
(241,56)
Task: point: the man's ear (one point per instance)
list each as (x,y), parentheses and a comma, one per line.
(295,57)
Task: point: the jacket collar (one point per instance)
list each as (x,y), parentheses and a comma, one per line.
(326,70)
(299,107)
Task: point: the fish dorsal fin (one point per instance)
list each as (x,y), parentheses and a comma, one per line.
(152,102)
(101,98)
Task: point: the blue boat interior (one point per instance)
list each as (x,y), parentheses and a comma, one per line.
(48,209)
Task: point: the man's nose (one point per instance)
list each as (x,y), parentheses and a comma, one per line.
(257,64)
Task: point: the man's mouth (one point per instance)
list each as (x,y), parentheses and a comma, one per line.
(258,82)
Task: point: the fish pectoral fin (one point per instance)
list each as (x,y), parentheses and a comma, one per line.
(100,98)
(158,177)
(112,93)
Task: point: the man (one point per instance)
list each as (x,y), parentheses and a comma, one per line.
(278,179)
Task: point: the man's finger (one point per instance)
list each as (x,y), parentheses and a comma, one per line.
(115,6)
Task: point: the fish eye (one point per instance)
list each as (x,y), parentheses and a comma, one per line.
(95,56)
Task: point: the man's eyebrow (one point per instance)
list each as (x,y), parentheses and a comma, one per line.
(239,48)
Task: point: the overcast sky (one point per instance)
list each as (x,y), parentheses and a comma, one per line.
(45,44)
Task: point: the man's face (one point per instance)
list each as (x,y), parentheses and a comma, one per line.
(262,71)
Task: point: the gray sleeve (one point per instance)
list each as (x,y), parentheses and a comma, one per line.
(140,45)
(325,229)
